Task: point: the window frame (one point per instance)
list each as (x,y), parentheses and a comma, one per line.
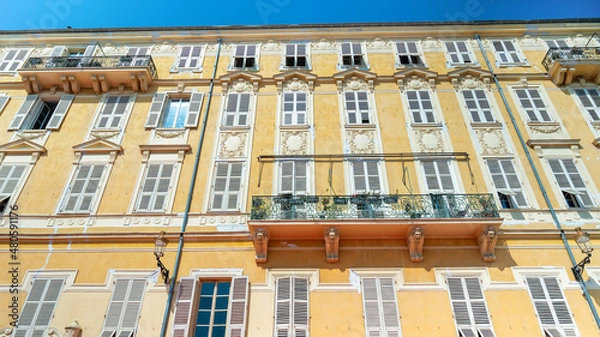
(240,193)
(255,67)
(418,52)
(159,109)
(366,176)
(97,196)
(199,59)
(509,192)
(284,65)
(307,177)
(422,112)
(295,112)
(358,112)
(508,53)
(237,112)
(49,278)
(560,190)
(365,60)
(19,63)
(524,111)
(451,173)
(169,195)
(479,111)
(123,118)
(461,62)
(30,111)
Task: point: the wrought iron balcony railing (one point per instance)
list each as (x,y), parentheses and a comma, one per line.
(575,54)
(118,61)
(390,206)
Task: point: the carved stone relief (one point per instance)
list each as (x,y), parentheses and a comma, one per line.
(379,43)
(491,141)
(429,140)
(546,129)
(416,83)
(241,85)
(323,44)
(469,82)
(361,141)
(294,142)
(233,144)
(295,84)
(164,48)
(355,83)
(431,44)
(272,45)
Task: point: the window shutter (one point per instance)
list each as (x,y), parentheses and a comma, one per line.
(360,179)
(133,306)
(590,99)
(459,303)
(391,322)
(238,299)
(300,306)
(283,307)
(10,176)
(371,307)
(287,177)
(3,101)
(115,307)
(60,112)
(84,187)
(227,186)
(23,111)
(39,307)
(194,109)
(550,305)
(156,109)
(380,307)
(300,178)
(13,59)
(183,307)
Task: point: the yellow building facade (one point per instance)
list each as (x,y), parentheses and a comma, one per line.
(422,179)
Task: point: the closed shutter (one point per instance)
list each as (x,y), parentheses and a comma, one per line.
(293,177)
(550,305)
(478,106)
(39,307)
(469,307)
(124,308)
(533,105)
(13,59)
(3,101)
(19,118)
(366,176)
(238,303)
(420,106)
(380,307)
(590,99)
(458,52)
(557,44)
(291,307)
(155,187)
(506,181)
(506,51)
(10,176)
(183,307)
(60,111)
(84,188)
(571,183)
(156,108)
(438,176)
(87,56)
(227,186)
(283,307)
(189,57)
(194,109)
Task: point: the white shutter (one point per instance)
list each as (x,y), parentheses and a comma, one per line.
(156,108)
(83,188)
(551,306)
(116,305)
(421,106)
(10,176)
(237,109)
(155,188)
(59,113)
(13,59)
(184,307)
(478,105)
(194,110)
(283,307)
(458,52)
(506,181)
(133,305)
(469,307)
(124,307)
(380,307)
(227,186)
(238,302)
(438,176)
(287,177)
(300,306)
(3,101)
(590,99)
(39,307)
(533,105)
(570,182)
(19,118)
(506,51)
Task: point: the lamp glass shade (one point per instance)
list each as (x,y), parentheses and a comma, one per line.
(160,243)
(583,239)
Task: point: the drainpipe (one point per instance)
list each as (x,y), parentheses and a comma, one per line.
(188,203)
(584,289)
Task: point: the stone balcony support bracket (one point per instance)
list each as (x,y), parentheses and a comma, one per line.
(487,243)
(332,245)
(415,240)
(261,244)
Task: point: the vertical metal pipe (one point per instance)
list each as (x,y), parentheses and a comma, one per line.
(540,183)
(163,329)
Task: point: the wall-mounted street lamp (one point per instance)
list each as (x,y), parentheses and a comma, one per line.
(160,243)
(582,238)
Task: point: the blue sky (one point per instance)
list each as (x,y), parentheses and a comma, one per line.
(46,14)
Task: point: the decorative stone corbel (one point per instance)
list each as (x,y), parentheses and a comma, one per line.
(134,82)
(74,84)
(35,85)
(28,88)
(487,243)
(261,244)
(143,83)
(95,84)
(332,245)
(415,240)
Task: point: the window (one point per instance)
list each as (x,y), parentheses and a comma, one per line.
(124,308)
(478,106)
(438,176)
(13,59)
(507,53)
(294,108)
(571,183)
(237,109)
(551,307)
(352,55)
(82,192)
(155,188)
(534,105)
(39,307)
(220,310)
(296,55)
(469,307)
(113,112)
(168,111)
(506,181)
(365,176)
(408,54)
(10,177)
(3,101)
(40,114)
(379,307)
(291,307)
(557,44)
(458,53)
(293,177)
(590,98)
(245,56)
(227,186)
(357,107)
(189,58)
(136,57)
(420,106)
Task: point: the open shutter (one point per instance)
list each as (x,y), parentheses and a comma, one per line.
(300,307)
(391,322)
(183,307)
(238,299)
(156,109)
(459,302)
(31,306)
(60,112)
(194,110)
(283,307)
(115,308)
(23,111)
(132,307)
(372,313)
(3,100)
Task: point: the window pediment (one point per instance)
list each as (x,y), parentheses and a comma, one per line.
(295,80)
(22,147)
(354,79)
(240,81)
(97,146)
(470,78)
(414,79)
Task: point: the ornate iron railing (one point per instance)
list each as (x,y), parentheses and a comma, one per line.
(390,206)
(577,54)
(91,62)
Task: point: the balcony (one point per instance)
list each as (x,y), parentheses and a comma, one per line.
(565,64)
(100,73)
(395,216)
